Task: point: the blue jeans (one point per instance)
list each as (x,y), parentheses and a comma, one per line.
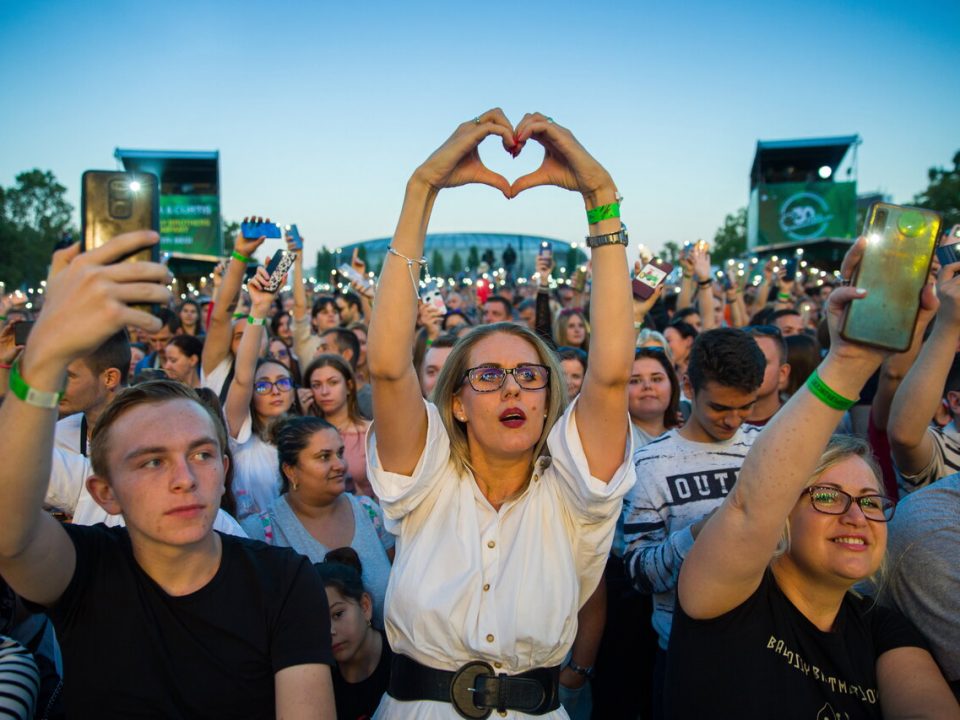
(578,702)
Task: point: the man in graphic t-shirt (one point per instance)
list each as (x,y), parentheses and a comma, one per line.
(165,616)
(685,474)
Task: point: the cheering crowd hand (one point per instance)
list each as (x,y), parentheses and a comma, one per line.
(544,268)
(430,318)
(700,262)
(8,345)
(260,298)
(89,294)
(566,163)
(248,247)
(457,162)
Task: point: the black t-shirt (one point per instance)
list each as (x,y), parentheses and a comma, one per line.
(765,659)
(131,650)
(358,701)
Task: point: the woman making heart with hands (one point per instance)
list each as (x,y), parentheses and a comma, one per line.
(496,489)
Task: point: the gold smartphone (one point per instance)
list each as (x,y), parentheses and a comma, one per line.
(894,269)
(113,203)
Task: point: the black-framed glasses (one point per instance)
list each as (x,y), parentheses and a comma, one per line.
(487,378)
(833,501)
(264,387)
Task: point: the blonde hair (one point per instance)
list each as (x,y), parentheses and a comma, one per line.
(839,448)
(653,338)
(560,328)
(451,379)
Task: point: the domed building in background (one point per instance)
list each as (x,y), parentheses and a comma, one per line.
(450,254)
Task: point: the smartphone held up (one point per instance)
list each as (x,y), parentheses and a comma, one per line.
(894,270)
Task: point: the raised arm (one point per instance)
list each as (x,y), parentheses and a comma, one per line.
(602,407)
(85,303)
(399,418)
(919,394)
(734,547)
(544,317)
(216,346)
(704,277)
(240,393)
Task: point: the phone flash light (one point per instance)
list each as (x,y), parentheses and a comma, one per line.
(135,186)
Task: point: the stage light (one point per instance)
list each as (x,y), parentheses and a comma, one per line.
(825,171)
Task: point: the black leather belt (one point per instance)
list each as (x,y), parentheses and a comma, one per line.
(476,690)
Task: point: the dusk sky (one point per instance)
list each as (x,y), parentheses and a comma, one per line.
(321,111)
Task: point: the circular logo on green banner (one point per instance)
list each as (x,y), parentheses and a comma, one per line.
(804,216)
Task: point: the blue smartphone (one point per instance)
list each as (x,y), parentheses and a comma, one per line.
(295,236)
(252,231)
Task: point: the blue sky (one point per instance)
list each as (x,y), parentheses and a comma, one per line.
(322,110)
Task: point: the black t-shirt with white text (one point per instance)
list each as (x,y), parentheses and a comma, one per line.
(131,650)
(765,659)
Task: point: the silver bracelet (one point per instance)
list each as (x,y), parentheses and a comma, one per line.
(422,262)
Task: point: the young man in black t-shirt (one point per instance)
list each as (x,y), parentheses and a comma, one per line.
(163,618)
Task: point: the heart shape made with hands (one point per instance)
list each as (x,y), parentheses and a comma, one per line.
(500,161)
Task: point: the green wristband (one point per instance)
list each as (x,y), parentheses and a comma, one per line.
(238,315)
(37,398)
(236,255)
(251,320)
(826,394)
(784,297)
(603,212)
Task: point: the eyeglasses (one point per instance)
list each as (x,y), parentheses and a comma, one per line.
(769,330)
(279,354)
(263,387)
(490,379)
(833,501)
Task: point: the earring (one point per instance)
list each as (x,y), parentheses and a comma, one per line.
(295,485)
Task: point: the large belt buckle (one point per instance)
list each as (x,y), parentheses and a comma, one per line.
(463,688)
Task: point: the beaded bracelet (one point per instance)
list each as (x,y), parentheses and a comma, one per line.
(826,394)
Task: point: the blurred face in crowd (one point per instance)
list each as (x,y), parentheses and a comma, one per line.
(159,339)
(790,325)
(573,372)
(279,352)
(494,312)
(136,355)
(348,313)
(189,315)
(694,320)
(326,317)
(717,411)
(349,624)
(454,301)
(575,330)
(679,345)
(433,362)
(775,375)
(283,329)
(565,294)
(179,366)
(362,338)
(84,389)
(528,317)
(649,390)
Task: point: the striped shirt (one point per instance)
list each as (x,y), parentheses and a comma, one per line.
(19,680)
(678,482)
(945,460)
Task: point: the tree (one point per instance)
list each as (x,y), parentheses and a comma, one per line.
(670,252)
(34,215)
(456,263)
(437,266)
(473,258)
(574,258)
(730,240)
(229,228)
(943,193)
(324,264)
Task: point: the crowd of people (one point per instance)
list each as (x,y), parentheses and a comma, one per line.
(562,500)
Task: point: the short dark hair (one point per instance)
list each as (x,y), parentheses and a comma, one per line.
(772,333)
(169,318)
(114,352)
(685,329)
(685,312)
(342,570)
(151,392)
(292,435)
(321,302)
(803,354)
(776,315)
(726,356)
(345,340)
(507,305)
(353,299)
(572,353)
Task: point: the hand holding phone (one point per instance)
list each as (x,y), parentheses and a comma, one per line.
(277,269)
(434,299)
(649,278)
(256,228)
(294,241)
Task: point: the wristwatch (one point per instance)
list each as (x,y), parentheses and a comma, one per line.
(615,238)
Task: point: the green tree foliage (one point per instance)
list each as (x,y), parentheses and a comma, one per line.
(229,228)
(574,258)
(943,193)
(362,253)
(473,257)
(438,268)
(730,240)
(456,263)
(670,252)
(34,214)
(325,261)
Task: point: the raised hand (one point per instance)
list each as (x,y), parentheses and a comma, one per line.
(566,163)
(457,162)
(248,247)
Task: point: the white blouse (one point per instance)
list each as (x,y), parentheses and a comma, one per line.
(473,583)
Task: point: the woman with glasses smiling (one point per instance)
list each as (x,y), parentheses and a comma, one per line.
(766,624)
(261,392)
(504,503)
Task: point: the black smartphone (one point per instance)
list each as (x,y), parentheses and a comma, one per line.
(113,203)
(21,331)
(948,251)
